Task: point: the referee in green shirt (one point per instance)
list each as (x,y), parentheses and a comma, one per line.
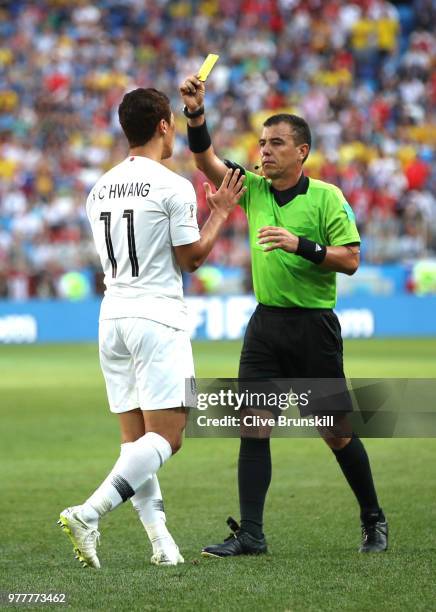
(302,232)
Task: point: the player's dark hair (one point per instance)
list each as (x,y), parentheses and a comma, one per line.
(140,112)
(300,128)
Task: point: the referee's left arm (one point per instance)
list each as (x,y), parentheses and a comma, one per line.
(344,258)
(341,249)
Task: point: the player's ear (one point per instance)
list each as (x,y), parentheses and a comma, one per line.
(163,127)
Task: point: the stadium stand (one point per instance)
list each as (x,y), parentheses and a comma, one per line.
(362,73)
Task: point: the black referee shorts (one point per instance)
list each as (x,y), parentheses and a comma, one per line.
(297,343)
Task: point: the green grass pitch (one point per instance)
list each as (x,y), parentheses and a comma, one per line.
(58,441)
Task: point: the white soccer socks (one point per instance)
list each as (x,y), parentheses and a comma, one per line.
(148,503)
(137,462)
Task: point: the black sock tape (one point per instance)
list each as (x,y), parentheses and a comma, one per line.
(122,486)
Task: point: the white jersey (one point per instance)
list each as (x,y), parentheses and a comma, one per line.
(138,211)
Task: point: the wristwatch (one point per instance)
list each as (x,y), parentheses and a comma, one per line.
(194,114)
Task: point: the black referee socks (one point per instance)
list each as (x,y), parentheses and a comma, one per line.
(254,477)
(354,463)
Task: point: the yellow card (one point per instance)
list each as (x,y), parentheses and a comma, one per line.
(207,66)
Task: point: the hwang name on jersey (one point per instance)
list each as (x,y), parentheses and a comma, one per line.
(123,190)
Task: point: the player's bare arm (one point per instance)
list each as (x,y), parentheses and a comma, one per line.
(192,91)
(191,256)
(344,259)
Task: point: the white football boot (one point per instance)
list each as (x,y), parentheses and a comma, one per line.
(83,536)
(166,552)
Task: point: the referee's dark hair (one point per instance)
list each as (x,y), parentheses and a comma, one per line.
(300,128)
(140,112)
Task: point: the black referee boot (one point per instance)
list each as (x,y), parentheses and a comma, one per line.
(374,534)
(238,543)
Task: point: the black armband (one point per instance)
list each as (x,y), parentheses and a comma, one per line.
(311,250)
(199,138)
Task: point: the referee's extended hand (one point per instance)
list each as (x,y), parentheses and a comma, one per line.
(277,238)
(225,199)
(192,91)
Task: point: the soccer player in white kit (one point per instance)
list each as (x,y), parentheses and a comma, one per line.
(143,219)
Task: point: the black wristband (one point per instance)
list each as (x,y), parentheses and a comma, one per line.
(193,114)
(310,250)
(199,138)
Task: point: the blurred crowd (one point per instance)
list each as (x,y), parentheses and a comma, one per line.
(361,72)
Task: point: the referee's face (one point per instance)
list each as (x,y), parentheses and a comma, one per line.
(169,137)
(280,156)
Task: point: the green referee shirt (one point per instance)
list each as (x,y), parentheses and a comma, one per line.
(321,214)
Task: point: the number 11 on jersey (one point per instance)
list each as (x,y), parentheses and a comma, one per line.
(128,215)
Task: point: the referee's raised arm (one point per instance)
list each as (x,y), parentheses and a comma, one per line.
(192,91)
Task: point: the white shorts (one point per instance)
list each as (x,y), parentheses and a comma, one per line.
(145,364)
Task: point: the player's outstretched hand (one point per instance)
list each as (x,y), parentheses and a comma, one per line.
(192,91)
(277,238)
(225,199)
